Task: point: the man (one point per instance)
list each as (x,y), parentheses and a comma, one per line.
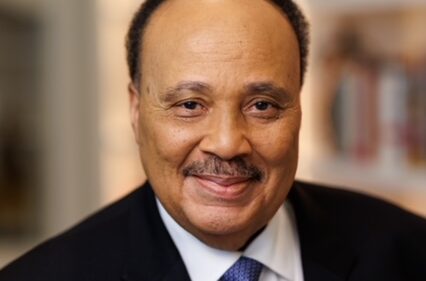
(215,107)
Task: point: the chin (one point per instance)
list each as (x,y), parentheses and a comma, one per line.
(222,221)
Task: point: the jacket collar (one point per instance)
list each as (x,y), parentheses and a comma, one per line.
(159,261)
(326,253)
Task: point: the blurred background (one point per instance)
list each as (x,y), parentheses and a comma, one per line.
(66,146)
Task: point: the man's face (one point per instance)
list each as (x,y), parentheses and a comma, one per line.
(217,115)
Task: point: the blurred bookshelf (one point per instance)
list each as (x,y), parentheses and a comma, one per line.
(369,72)
(20,140)
(20,149)
(49,164)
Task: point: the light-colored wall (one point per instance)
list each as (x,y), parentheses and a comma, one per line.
(119,160)
(70,113)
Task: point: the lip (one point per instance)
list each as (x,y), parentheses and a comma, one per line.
(224,181)
(226,188)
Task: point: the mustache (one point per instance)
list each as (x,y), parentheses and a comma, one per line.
(214,165)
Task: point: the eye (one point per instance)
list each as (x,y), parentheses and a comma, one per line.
(264,109)
(189,108)
(262,105)
(190,105)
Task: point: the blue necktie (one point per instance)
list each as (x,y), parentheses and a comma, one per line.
(245,269)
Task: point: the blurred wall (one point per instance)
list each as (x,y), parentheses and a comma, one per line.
(119,160)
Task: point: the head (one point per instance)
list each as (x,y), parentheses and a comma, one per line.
(215,108)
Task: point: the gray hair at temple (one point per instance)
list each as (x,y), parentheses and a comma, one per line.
(141,18)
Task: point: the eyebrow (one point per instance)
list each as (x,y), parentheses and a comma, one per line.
(268,88)
(253,88)
(193,86)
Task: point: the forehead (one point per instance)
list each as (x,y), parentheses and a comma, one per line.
(184,34)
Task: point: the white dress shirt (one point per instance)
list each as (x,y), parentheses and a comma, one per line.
(277,248)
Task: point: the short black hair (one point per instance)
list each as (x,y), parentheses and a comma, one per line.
(140,20)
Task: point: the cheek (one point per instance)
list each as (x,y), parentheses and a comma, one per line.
(278,143)
(170,142)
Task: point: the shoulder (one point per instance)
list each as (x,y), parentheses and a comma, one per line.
(97,241)
(382,238)
(350,207)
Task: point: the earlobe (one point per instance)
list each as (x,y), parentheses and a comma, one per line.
(134,103)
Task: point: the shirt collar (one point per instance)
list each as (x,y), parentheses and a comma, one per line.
(277,248)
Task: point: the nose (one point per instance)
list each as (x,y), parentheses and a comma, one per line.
(226,137)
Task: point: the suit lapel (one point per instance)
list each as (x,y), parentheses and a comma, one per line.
(326,255)
(152,254)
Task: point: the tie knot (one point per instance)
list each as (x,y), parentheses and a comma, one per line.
(245,269)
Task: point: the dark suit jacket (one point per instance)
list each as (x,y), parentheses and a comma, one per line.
(343,236)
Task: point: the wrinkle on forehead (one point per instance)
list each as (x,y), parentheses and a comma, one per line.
(228,45)
(231,47)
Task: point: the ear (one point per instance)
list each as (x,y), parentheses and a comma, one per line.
(134,103)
